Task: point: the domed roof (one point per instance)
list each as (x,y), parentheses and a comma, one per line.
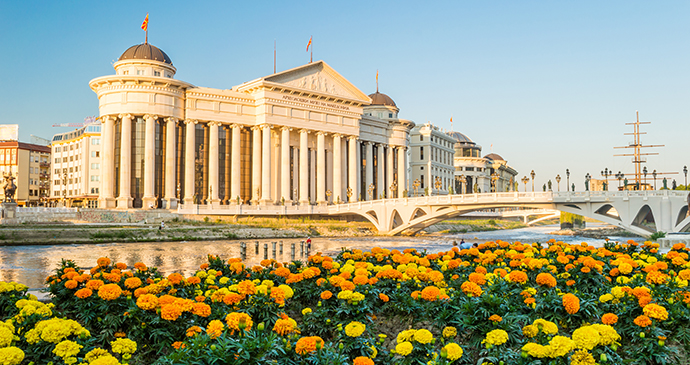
(145,51)
(378,98)
(495,157)
(460,137)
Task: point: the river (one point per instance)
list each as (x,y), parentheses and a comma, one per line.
(30,265)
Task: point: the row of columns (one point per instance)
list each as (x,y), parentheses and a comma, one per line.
(261,177)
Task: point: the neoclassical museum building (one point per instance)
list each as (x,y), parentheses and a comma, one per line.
(302,136)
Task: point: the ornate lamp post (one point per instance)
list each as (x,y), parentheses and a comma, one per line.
(606,173)
(532,174)
(654,175)
(394,188)
(685,171)
(349,194)
(558,182)
(525,180)
(620,177)
(438,184)
(494,180)
(371,191)
(415,185)
(462,180)
(328,196)
(567,177)
(588,177)
(64,188)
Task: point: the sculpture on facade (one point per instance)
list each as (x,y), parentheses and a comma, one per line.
(9,187)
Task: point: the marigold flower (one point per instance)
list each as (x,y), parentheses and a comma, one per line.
(147,302)
(571,303)
(103,262)
(496,337)
(94,284)
(83,293)
(404,348)
(431,293)
(201,309)
(193,331)
(607,334)
(171,312)
(655,311)
(214,328)
(423,336)
(307,345)
(586,337)
(453,351)
(132,283)
(109,291)
(384,297)
(530,330)
(471,289)
(11,355)
(355,329)
(609,318)
(178,345)
(547,280)
(66,349)
(361,360)
(326,295)
(642,321)
(582,357)
(123,346)
(449,332)
(237,321)
(285,325)
(518,277)
(495,318)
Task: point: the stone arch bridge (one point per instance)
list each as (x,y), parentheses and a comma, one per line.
(640,212)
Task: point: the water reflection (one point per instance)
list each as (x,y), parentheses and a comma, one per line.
(32,264)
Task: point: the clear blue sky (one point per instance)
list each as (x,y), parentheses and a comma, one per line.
(549,84)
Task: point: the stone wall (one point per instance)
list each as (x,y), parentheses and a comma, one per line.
(94,216)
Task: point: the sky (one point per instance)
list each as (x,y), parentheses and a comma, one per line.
(548,85)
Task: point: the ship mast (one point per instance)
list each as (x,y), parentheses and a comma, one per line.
(637,146)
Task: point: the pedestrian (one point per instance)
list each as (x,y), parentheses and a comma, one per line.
(465,245)
(162,226)
(308,244)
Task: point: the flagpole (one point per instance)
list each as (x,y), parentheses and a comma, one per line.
(274,56)
(311,53)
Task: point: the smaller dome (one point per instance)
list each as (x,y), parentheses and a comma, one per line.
(460,137)
(145,51)
(493,156)
(378,98)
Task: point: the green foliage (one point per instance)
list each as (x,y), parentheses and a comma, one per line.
(656,235)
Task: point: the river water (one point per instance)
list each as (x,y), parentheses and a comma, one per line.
(30,265)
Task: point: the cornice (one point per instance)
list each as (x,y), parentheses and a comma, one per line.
(191,94)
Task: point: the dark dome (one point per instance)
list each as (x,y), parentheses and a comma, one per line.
(460,137)
(145,51)
(381,99)
(495,157)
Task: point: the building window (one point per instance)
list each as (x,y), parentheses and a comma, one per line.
(390,115)
(95,178)
(421,153)
(126,72)
(156,73)
(57,149)
(140,72)
(95,141)
(95,166)
(64,159)
(421,138)
(95,153)
(422,181)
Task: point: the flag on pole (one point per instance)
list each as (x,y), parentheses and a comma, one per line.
(308,44)
(377,80)
(145,24)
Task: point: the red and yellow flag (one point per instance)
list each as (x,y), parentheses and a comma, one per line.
(145,24)
(308,44)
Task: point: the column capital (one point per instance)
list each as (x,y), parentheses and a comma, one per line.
(368,143)
(125,116)
(106,117)
(191,121)
(321,133)
(256,128)
(285,128)
(351,138)
(336,135)
(304,130)
(172,120)
(212,123)
(150,116)
(235,125)
(266,126)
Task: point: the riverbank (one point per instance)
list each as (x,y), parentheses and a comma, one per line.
(596,232)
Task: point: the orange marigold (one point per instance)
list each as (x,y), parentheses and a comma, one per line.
(326,295)
(170,312)
(71,284)
(246,287)
(477,278)
(361,360)
(109,291)
(495,318)
(147,302)
(384,297)
(175,278)
(307,345)
(609,318)
(214,328)
(103,261)
(192,331)
(285,325)
(232,298)
(642,321)
(201,309)
(571,303)
(545,279)
(132,283)
(94,284)
(655,311)
(471,289)
(83,293)
(431,293)
(193,280)
(139,292)
(238,321)
(518,276)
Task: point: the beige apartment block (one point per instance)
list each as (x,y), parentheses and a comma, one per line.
(431,163)
(29,164)
(76,169)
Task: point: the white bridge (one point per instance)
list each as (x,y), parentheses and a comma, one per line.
(640,212)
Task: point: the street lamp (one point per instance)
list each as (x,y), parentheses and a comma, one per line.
(620,177)
(588,177)
(371,191)
(494,180)
(64,187)
(532,174)
(567,181)
(525,180)
(558,181)
(415,185)
(606,173)
(685,171)
(462,180)
(438,184)
(394,188)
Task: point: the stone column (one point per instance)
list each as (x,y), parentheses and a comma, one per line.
(149,198)
(337,169)
(369,174)
(402,170)
(228,180)
(124,201)
(303,167)
(236,164)
(213,172)
(266,166)
(380,181)
(352,169)
(285,166)
(256,164)
(189,163)
(389,172)
(320,168)
(106,199)
(170,153)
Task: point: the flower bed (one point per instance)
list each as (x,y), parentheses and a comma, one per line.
(503,303)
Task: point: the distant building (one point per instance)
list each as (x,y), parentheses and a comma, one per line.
(76,167)
(30,165)
(431,159)
(474,173)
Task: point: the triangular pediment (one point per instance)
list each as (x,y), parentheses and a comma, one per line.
(320,78)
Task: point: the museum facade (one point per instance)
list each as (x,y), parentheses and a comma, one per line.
(301,136)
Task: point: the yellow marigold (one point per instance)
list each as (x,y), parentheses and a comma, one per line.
(560,346)
(536,350)
(571,303)
(147,302)
(608,334)
(404,348)
(105,360)
(545,326)
(123,346)
(67,348)
(609,318)
(586,337)
(496,337)
(361,360)
(450,332)
(547,280)
(83,293)
(582,357)
(625,268)
(495,318)
(655,311)
(405,336)
(11,355)
(132,283)
(109,291)
(95,354)
(306,345)
(423,336)
(530,330)
(452,350)
(237,321)
(355,329)
(214,328)
(201,309)
(170,312)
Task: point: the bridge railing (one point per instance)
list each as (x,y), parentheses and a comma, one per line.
(578,195)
